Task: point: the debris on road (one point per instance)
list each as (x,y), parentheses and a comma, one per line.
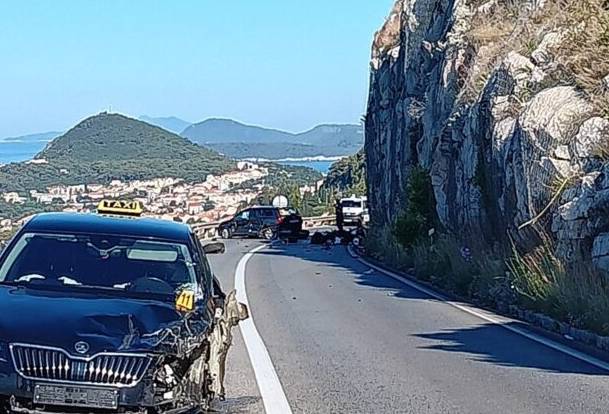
(336,237)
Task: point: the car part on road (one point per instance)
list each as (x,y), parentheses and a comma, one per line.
(333,237)
(214,248)
(221,339)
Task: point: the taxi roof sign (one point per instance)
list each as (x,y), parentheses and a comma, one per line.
(120,207)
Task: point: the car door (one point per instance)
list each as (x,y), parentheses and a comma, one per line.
(255,221)
(242,223)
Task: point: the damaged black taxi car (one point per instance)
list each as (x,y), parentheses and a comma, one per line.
(106,313)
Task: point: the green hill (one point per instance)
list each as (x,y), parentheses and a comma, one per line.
(112,146)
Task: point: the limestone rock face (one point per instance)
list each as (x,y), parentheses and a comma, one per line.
(496,160)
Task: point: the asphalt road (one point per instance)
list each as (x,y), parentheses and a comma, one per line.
(344,338)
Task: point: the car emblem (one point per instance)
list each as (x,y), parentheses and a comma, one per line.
(81,347)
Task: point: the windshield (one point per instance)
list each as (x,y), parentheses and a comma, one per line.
(351,204)
(109,263)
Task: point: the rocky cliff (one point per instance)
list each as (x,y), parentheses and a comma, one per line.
(504,105)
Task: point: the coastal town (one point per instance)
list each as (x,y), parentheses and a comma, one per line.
(212,200)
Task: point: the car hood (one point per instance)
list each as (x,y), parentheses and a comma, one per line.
(60,319)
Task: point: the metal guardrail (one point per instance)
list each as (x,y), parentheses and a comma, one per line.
(320,221)
(206,231)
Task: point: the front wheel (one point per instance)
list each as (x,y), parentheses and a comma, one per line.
(225,234)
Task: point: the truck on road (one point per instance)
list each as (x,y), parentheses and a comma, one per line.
(352,211)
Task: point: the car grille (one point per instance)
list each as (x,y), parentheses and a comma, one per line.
(56,365)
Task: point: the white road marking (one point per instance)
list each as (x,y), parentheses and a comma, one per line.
(273,396)
(487,316)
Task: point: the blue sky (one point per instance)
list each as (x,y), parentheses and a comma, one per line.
(287,64)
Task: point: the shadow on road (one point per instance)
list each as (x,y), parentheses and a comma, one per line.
(338,258)
(484,342)
(494,344)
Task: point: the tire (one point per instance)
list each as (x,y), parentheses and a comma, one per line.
(267,233)
(225,234)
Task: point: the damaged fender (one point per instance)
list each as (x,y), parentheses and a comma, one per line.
(221,339)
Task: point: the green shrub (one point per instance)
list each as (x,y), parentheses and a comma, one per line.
(408,228)
(426,260)
(460,270)
(420,213)
(491,284)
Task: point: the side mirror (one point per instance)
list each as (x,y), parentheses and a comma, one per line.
(214,248)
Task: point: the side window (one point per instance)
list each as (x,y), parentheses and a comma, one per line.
(268,213)
(245,215)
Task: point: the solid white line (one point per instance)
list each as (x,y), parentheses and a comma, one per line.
(487,316)
(271,391)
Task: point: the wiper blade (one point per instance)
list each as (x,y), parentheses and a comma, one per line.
(23,283)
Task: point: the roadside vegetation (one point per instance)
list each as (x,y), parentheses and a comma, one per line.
(577,41)
(494,277)
(348,175)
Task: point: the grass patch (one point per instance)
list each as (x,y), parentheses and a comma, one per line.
(449,264)
(577,294)
(382,245)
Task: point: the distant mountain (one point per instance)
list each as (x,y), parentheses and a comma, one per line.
(111,146)
(214,131)
(41,137)
(240,140)
(267,151)
(338,135)
(170,123)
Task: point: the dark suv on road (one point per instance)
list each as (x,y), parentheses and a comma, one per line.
(264,222)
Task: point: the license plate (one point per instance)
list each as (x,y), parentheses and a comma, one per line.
(294,221)
(76,396)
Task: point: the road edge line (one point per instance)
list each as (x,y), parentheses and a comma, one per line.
(269,385)
(487,316)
